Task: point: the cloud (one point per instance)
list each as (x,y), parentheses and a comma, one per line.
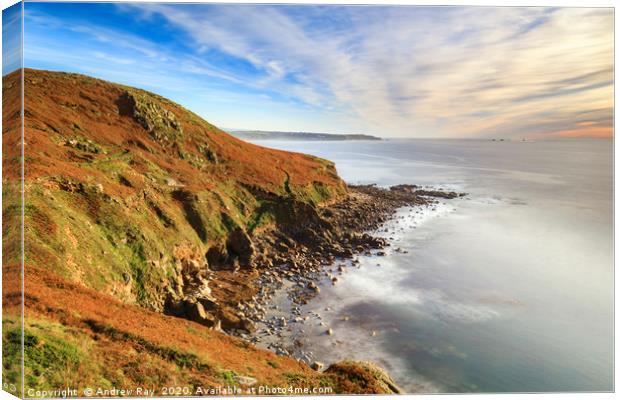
(429,71)
(393,71)
(117,60)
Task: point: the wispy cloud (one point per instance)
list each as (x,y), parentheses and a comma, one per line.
(394,71)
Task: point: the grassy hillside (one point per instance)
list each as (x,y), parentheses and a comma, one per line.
(122,184)
(133,207)
(75,337)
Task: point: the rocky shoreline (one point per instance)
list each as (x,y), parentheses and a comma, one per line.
(249,272)
(324,255)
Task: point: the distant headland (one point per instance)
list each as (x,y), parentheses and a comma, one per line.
(277,135)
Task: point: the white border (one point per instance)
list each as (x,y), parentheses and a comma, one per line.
(564,3)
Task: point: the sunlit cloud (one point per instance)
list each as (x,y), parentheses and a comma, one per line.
(391,71)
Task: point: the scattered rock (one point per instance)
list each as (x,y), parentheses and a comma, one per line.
(245,380)
(314,287)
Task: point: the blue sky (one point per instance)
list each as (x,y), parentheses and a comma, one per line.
(388,71)
(11,38)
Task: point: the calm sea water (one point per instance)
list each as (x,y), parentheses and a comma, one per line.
(510,289)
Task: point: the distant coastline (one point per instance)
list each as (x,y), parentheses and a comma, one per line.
(278,135)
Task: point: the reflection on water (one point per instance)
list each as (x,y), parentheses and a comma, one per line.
(510,289)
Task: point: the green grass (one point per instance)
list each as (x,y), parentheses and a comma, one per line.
(101,244)
(287,184)
(139,271)
(86,236)
(229,378)
(262,216)
(293,377)
(315,194)
(11,222)
(54,356)
(11,354)
(115,163)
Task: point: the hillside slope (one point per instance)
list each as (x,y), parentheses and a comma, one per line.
(79,339)
(124,188)
(136,208)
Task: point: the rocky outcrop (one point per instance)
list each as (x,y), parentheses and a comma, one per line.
(365,376)
(189,294)
(241,248)
(161,123)
(317,252)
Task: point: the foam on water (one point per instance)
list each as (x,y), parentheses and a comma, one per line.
(509,289)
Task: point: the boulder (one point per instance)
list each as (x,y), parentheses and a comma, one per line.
(245,380)
(313,286)
(161,123)
(197,313)
(231,321)
(317,366)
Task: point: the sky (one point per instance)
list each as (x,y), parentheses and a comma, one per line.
(11,38)
(390,71)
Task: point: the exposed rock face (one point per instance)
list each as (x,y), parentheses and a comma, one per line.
(189,295)
(206,151)
(217,256)
(161,123)
(85,145)
(240,246)
(198,309)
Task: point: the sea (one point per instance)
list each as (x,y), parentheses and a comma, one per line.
(507,289)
